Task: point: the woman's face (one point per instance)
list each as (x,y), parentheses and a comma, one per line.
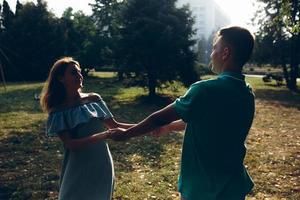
(72,78)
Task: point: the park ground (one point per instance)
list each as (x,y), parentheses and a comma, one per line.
(146,167)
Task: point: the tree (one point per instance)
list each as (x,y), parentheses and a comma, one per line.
(205,48)
(268,50)
(73,31)
(33,38)
(19,7)
(107,17)
(292,13)
(279,22)
(7,15)
(201,50)
(0,20)
(156,43)
(31,43)
(6,19)
(106,14)
(91,48)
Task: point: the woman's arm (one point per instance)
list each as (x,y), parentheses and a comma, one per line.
(112,123)
(73,144)
(178,125)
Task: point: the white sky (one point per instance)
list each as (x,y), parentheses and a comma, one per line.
(239,11)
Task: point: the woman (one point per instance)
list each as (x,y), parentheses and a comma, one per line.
(79,120)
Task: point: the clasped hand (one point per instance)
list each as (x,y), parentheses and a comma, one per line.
(119,134)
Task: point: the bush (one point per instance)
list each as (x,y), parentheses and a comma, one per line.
(203,69)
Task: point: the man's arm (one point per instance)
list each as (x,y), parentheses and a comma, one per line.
(153,121)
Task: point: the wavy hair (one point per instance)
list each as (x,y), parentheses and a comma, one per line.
(54,92)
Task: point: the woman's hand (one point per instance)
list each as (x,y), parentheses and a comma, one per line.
(160,131)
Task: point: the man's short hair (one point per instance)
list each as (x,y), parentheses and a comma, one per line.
(241,42)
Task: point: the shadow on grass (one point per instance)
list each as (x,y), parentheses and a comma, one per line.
(29,164)
(148,148)
(284,97)
(20,100)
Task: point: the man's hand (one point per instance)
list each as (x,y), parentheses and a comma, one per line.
(118,134)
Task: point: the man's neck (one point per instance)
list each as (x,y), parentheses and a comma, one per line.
(232,71)
(230,67)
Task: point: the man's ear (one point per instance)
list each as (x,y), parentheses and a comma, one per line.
(226,53)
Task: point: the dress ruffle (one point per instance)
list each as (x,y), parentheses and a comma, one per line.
(68,119)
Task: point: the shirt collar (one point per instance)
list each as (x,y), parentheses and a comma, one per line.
(234,75)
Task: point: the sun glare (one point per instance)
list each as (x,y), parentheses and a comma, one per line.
(239,11)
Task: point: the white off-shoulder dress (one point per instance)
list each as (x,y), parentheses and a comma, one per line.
(86,173)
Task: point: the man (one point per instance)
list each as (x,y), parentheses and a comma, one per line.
(217,115)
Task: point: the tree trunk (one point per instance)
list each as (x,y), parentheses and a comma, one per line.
(120,75)
(151,85)
(292,85)
(286,74)
(294,51)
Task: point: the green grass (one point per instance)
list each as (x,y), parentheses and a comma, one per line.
(146,167)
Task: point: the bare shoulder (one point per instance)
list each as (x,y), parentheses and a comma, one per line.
(91,96)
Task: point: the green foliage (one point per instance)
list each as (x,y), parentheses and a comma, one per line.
(6,16)
(156,46)
(82,39)
(201,50)
(204,49)
(33,38)
(270,51)
(107,18)
(203,69)
(156,43)
(279,37)
(25,46)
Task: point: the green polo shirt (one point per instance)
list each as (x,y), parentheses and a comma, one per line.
(219,113)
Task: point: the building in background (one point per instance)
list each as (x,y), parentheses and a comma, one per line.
(209,17)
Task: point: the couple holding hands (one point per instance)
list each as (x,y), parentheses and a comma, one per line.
(216,115)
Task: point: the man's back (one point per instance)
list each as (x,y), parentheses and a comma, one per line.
(219,114)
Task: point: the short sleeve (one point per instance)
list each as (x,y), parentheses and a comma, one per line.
(191,102)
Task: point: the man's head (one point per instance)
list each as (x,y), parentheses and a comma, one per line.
(232,48)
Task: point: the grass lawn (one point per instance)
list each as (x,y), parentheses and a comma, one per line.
(146,167)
